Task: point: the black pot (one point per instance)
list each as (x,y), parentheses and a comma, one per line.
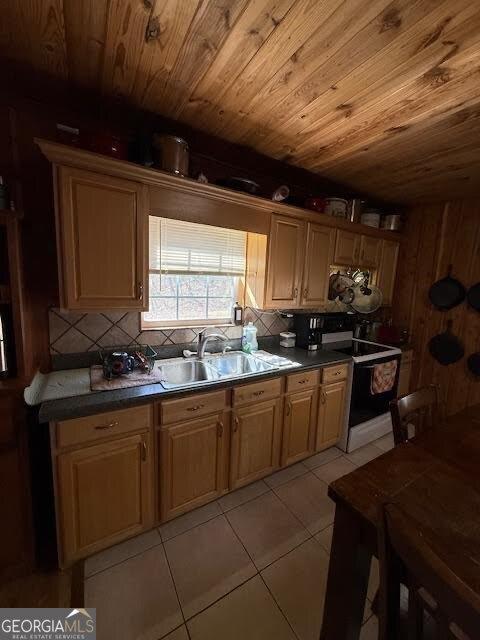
(447,293)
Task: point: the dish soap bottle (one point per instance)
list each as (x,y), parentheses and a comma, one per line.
(249,338)
(237,314)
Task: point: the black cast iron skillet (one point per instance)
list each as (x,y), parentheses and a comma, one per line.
(445,347)
(473,296)
(473,363)
(447,292)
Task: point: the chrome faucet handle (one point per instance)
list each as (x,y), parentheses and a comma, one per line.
(225,349)
(188,354)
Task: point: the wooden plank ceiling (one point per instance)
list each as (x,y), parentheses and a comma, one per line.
(382,95)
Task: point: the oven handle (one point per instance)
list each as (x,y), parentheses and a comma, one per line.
(371,366)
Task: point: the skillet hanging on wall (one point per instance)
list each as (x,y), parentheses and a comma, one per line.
(445,347)
(447,292)
(473,363)
(473,296)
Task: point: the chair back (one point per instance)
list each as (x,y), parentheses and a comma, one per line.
(419,409)
(433,587)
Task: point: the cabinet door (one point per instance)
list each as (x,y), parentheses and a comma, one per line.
(370,249)
(299,425)
(193,464)
(347,246)
(319,257)
(388,270)
(285,262)
(102,236)
(256,435)
(105,494)
(331,413)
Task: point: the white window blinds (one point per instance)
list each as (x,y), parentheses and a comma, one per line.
(178,247)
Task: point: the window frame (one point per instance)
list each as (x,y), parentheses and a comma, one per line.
(152,325)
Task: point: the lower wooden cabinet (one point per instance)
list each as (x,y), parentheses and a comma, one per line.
(299,426)
(331,413)
(256,441)
(105,494)
(193,467)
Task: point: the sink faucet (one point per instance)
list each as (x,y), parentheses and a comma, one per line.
(203,340)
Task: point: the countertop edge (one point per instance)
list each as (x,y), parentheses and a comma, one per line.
(101,401)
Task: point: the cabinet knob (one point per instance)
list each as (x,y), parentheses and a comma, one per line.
(140,291)
(295,292)
(323,398)
(220,429)
(305,293)
(289,408)
(258,393)
(235,424)
(144,451)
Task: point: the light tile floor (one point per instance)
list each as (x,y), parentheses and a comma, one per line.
(252,564)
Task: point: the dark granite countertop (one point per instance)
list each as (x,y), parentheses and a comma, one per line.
(96,402)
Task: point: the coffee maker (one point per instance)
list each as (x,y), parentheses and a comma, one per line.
(309,327)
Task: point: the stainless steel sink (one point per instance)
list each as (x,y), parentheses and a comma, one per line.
(180,372)
(238,364)
(184,373)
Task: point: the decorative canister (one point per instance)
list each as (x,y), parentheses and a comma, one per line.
(392,222)
(370,218)
(336,207)
(172,154)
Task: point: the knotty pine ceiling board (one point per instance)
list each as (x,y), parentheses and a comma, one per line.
(381,95)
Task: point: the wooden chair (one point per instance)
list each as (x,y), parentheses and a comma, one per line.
(405,558)
(419,409)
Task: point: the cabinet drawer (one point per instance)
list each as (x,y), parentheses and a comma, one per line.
(171,411)
(334,374)
(102,425)
(257,391)
(301,381)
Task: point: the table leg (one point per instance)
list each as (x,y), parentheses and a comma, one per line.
(348,575)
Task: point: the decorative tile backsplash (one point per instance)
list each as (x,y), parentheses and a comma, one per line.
(73,332)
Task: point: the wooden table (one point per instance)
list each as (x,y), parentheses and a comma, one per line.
(436,479)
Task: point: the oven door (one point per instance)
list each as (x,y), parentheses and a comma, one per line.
(364,405)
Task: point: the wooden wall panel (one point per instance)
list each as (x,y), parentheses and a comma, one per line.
(331,86)
(437,236)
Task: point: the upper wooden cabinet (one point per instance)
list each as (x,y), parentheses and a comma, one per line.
(388,270)
(318,258)
(285,262)
(102,241)
(370,250)
(347,247)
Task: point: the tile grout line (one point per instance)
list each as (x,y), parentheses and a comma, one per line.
(135,555)
(259,571)
(186,619)
(284,616)
(174,584)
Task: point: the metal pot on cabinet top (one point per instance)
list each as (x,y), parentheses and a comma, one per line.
(172,154)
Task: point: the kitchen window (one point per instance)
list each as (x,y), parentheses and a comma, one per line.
(196,273)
